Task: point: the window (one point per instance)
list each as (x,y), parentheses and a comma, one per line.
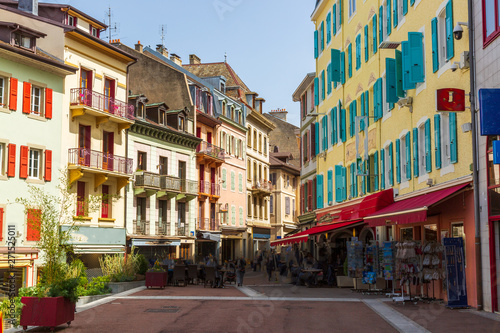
(491,23)
(233,181)
(287,205)
(140,110)
(24,41)
(255,139)
(271,204)
(71,20)
(109,94)
(260,143)
(3,92)
(352,7)
(249,206)
(405,155)
(36,100)
(181,214)
(3,160)
(34,163)
(265,146)
(240,182)
(181,124)
(442,37)
(94,31)
(406,234)
(249,169)
(81,199)
(105,206)
(249,137)
(163,165)
(142,160)
(421,151)
(442,124)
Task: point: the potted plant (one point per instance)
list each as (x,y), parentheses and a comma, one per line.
(156,276)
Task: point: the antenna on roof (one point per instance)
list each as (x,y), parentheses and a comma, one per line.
(111,28)
(163,31)
(225,56)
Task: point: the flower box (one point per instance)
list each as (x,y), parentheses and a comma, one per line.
(46,311)
(156,279)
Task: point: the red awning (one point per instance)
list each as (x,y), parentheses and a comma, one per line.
(411,210)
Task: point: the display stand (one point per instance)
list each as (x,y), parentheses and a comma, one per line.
(432,270)
(455,268)
(355,258)
(387,264)
(407,264)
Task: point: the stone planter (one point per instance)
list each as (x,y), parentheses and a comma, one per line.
(118,287)
(156,279)
(46,311)
(87,299)
(345,281)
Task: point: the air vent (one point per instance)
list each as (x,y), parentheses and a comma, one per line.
(389,45)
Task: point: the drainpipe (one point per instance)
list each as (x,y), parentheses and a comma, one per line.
(475,171)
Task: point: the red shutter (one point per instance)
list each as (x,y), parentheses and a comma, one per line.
(48,103)
(302,199)
(33,228)
(48,165)
(1,224)
(13,94)
(26,97)
(23,166)
(309,195)
(11,164)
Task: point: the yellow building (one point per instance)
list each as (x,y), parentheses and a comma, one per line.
(379,65)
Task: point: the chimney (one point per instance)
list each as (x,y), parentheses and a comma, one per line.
(162,49)
(30,6)
(176,59)
(138,46)
(279,113)
(194,60)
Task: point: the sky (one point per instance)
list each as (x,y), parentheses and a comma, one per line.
(269,43)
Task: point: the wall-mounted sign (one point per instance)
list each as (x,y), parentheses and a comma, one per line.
(489,112)
(450,100)
(496,152)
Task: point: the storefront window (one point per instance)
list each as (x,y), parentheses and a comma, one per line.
(430,232)
(493,179)
(457,230)
(406,234)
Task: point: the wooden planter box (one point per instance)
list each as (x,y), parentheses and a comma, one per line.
(156,279)
(46,311)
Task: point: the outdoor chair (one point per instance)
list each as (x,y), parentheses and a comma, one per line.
(192,273)
(209,275)
(179,274)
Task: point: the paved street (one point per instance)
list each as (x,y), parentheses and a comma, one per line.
(262,306)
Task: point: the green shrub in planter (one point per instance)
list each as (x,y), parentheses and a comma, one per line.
(142,264)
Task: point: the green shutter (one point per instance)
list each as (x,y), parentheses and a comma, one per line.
(353,114)
(330,186)
(405,51)
(398,161)
(316,132)
(362,113)
(328,27)
(428,154)
(316,92)
(408,156)
(352,177)
(390,80)
(342,67)
(323,85)
(328,79)
(405,7)
(376,101)
(322,37)
(233,181)
(344,181)
(349,60)
(340,12)
(336,66)
(415,42)
(319,191)
(395,12)
(399,74)
(338,183)
(382,169)
(415,153)
(334,125)
(367,107)
(240,182)
(437,140)
(388,13)
(379,98)
(315,44)
(334,19)
(435,45)
(375,171)
(224,179)
(412,2)
(381,24)
(450,49)
(363,178)
(374,31)
(358,51)
(453,138)
(343,134)
(366,43)
(390,167)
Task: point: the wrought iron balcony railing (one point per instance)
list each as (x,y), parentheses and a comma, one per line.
(204,187)
(101,102)
(170,183)
(210,150)
(147,179)
(141,227)
(189,186)
(162,229)
(215,190)
(203,224)
(262,185)
(99,160)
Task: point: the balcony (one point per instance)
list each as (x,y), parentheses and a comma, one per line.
(146,183)
(102,165)
(204,189)
(169,187)
(85,101)
(141,227)
(214,191)
(181,230)
(211,224)
(162,229)
(207,153)
(189,186)
(261,187)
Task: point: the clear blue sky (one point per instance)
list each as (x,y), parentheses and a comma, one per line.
(269,43)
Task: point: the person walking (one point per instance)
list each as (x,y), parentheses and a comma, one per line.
(240,270)
(270,265)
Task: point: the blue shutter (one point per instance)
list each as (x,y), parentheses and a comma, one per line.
(416,57)
(343,134)
(319,191)
(398,161)
(329,79)
(316,92)
(340,12)
(437,140)
(435,45)
(334,126)
(342,67)
(450,49)
(326,133)
(407,84)
(405,7)
(328,27)
(399,73)
(330,186)
(381,24)
(351,179)
(363,182)
(316,143)
(376,101)
(388,13)
(366,43)
(380,98)
(412,2)
(382,169)
(334,19)
(428,154)
(415,153)
(390,80)
(362,113)
(395,12)
(390,167)
(322,85)
(336,65)
(338,183)
(344,183)
(358,51)
(353,114)
(408,156)
(375,171)
(374,27)
(315,44)
(367,108)
(453,138)
(322,37)
(349,60)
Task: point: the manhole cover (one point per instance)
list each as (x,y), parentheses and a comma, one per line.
(162,310)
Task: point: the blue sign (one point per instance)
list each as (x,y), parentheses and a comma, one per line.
(496,152)
(489,111)
(455,271)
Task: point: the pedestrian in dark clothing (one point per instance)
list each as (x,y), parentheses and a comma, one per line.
(240,271)
(271,265)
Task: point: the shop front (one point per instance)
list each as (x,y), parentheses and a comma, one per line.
(206,244)
(231,242)
(156,248)
(22,265)
(261,239)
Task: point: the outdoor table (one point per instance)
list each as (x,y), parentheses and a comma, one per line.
(314,271)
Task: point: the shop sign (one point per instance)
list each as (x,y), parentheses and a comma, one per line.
(450,100)
(97,236)
(489,99)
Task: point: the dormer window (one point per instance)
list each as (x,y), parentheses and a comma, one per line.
(181,123)
(223,107)
(94,31)
(23,40)
(161,117)
(140,110)
(222,87)
(71,20)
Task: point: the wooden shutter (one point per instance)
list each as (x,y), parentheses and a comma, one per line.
(344,183)
(334,126)
(316,140)
(428,154)
(366,43)
(388,14)
(375,171)
(405,51)
(390,80)
(390,166)
(323,85)
(330,186)
(26,97)
(398,56)
(11,161)
(415,43)
(309,195)
(13,94)
(412,2)
(316,91)
(48,165)
(315,44)
(453,138)
(313,196)
(343,134)
(334,19)
(342,67)
(395,13)
(437,140)
(33,227)
(381,23)
(328,27)
(415,153)
(398,161)
(450,51)
(340,12)
(336,65)
(352,179)
(358,51)
(349,60)
(329,78)
(405,7)
(408,156)
(362,112)
(1,224)
(319,191)
(367,107)
(435,44)
(338,183)
(23,166)
(48,103)
(374,32)
(322,37)
(382,169)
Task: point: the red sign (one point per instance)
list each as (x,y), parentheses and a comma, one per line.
(450,99)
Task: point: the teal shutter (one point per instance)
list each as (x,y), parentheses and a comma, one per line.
(388,13)
(336,65)
(374,27)
(412,2)
(453,138)
(326,133)
(380,98)
(428,157)
(405,7)
(338,183)
(329,78)
(316,93)
(342,125)
(416,57)
(395,12)
(450,49)
(328,27)
(340,12)
(367,108)
(334,19)
(363,182)
(322,85)
(408,156)
(322,37)
(382,169)
(330,186)
(366,43)
(344,183)
(353,113)
(415,153)
(390,167)
(362,113)
(316,143)
(381,24)
(342,67)
(352,177)
(376,101)
(334,126)
(435,45)
(358,51)
(390,80)
(399,74)
(315,44)
(375,171)
(349,60)
(398,161)
(319,191)
(367,178)
(437,140)
(407,84)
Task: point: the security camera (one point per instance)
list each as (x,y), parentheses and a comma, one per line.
(458,32)
(454,67)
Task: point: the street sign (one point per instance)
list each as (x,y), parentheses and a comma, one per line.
(489,111)
(450,100)
(496,152)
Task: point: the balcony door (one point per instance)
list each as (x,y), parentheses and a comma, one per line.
(84,145)
(109,94)
(85,87)
(212,216)
(202,178)
(182,175)
(209,137)
(108,150)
